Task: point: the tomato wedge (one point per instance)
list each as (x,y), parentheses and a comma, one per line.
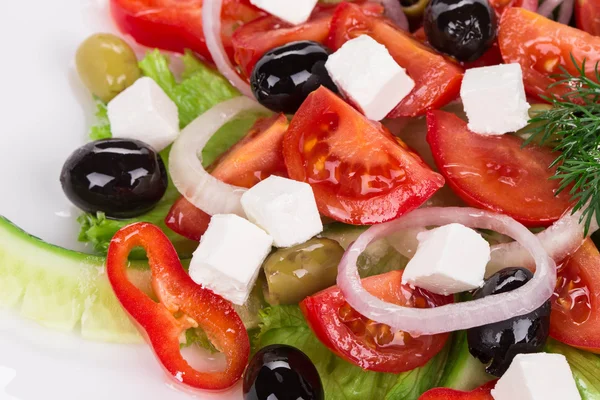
(495,173)
(182,304)
(253,40)
(176,25)
(437,80)
(368,344)
(587,16)
(542,47)
(482,393)
(575,318)
(359,172)
(255,157)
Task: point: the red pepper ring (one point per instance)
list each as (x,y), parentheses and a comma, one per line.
(183,304)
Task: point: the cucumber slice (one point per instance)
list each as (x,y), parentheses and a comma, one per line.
(463,371)
(62,289)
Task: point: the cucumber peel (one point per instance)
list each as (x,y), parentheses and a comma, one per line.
(63,289)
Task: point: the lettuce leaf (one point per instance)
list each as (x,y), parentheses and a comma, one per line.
(585,367)
(200,89)
(102,128)
(341,379)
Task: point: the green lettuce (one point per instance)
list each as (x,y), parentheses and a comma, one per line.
(585,367)
(200,88)
(341,379)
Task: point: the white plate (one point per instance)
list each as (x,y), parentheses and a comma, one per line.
(44,115)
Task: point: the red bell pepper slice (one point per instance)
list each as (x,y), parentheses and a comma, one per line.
(182,305)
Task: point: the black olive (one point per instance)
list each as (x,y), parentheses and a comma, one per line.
(280,372)
(122,178)
(464,29)
(286,75)
(497,344)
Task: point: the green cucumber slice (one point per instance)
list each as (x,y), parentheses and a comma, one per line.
(62,289)
(463,371)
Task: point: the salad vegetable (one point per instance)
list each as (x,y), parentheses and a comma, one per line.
(332,316)
(182,304)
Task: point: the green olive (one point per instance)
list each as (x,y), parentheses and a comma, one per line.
(106,65)
(299,271)
(525,133)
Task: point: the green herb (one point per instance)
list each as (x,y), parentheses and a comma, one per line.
(572,127)
(341,379)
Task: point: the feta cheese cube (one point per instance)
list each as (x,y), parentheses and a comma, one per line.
(229,257)
(144,112)
(537,376)
(365,72)
(449,259)
(293,11)
(286,209)
(494,99)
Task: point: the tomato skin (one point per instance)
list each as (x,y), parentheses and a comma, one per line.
(255,157)
(542,47)
(322,312)
(437,80)
(254,39)
(359,172)
(587,16)
(175,25)
(495,173)
(482,393)
(575,317)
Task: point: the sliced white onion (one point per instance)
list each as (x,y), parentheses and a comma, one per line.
(548,6)
(560,240)
(211,25)
(451,317)
(185,160)
(566,12)
(394,11)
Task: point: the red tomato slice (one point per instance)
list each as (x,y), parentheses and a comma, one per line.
(437,80)
(482,393)
(359,172)
(587,16)
(495,172)
(575,318)
(368,344)
(254,158)
(176,25)
(542,47)
(253,40)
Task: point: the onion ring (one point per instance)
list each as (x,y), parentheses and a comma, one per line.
(451,317)
(548,7)
(185,160)
(211,26)
(394,11)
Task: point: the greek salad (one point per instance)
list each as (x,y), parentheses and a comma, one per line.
(391,199)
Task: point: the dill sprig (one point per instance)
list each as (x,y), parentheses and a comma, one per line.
(572,126)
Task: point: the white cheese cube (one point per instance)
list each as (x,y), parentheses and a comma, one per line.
(293,11)
(144,112)
(365,72)
(286,209)
(229,257)
(539,376)
(449,259)
(494,99)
